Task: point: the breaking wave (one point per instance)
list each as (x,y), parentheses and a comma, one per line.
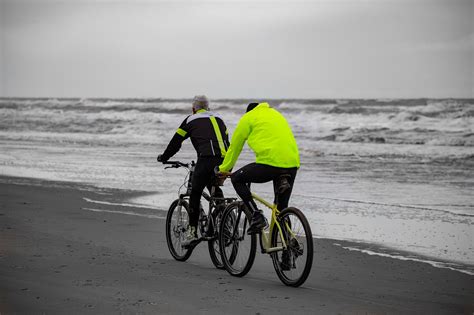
(414,122)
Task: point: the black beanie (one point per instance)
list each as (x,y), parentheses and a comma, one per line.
(251,106)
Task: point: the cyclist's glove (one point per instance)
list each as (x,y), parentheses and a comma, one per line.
(220,176)
(217,172)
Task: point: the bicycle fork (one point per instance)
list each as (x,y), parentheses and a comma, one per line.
(178,229)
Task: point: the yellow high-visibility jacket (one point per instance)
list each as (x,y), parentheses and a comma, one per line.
(268,134)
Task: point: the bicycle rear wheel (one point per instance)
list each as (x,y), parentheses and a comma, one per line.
(293,265)
(213,244)
(237,248)
(177,224)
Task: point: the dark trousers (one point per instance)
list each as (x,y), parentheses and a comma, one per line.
(261,173)
(203,177)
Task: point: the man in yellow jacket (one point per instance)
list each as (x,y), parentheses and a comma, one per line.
(269,135)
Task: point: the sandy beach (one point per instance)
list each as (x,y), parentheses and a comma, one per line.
(58,254)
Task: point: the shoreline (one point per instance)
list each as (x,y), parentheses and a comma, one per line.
(57,257)
(124,196)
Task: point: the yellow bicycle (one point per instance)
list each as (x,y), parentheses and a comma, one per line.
(287,239)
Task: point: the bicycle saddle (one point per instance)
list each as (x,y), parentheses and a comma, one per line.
(282,183)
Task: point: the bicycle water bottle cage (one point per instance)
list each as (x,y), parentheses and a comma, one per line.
(283,184)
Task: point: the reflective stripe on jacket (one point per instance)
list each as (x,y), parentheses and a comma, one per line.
(268,134)
(208,135)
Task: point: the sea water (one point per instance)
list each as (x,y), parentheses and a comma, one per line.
(396,173)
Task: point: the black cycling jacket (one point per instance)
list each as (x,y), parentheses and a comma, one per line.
(208,135)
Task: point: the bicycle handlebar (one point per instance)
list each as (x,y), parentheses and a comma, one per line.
(221,176)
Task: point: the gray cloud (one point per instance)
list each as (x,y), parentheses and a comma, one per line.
(237,49)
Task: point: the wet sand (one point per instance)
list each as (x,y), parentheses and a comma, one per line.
(58,257)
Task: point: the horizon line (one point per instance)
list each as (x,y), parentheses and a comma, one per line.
(237,98)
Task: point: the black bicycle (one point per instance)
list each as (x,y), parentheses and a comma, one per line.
(177,220)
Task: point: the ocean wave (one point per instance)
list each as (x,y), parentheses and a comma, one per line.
(305,106)
(421,122)
(336,106)
(386,135)
(469,270)
(463,158)
(452,212)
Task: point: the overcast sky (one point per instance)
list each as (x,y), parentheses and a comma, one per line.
(264,49)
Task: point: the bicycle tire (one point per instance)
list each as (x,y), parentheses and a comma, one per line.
(300,248)
(213,244)
(176,231)
(237,248)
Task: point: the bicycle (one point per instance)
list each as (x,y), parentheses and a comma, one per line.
(177,220)
(287,239)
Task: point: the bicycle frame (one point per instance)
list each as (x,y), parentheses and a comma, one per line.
(285,238)
(177,219)
(185,196)
(265,237)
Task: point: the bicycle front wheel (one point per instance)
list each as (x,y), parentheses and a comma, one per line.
(213,244)
(237,248)
(177,224)
(293,265)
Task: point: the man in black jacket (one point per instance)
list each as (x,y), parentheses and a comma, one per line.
(209,137)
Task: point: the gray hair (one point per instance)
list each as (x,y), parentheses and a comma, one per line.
(200,102)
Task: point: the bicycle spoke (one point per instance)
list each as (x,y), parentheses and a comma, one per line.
(293,264)
(176,225)
(213,243)
(237,248)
